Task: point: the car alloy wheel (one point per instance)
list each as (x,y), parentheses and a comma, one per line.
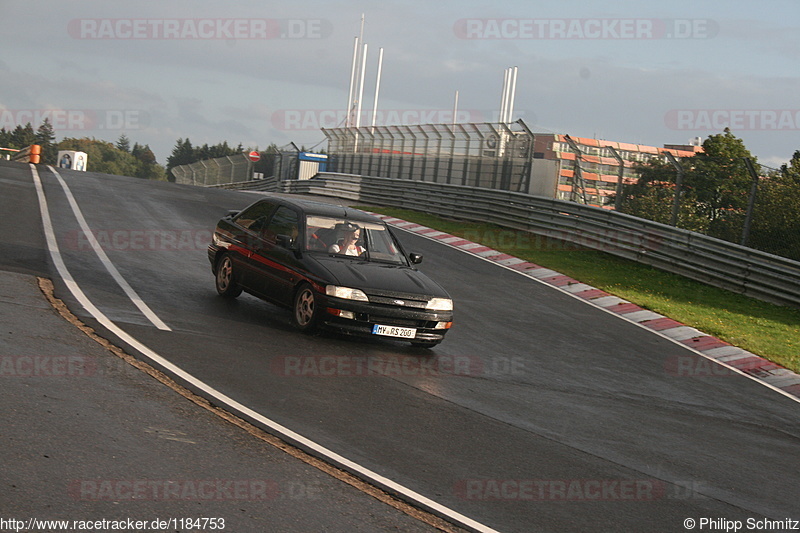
(225,281)
(305,308)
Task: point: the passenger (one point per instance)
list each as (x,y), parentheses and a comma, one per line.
(347,244)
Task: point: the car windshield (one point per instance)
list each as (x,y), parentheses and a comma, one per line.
(365,241)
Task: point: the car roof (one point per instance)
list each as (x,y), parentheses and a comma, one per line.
(311,207)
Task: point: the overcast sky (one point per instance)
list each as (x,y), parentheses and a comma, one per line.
(257,72)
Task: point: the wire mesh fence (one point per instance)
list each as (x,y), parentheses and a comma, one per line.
(490,155)
(219,171)
(775,224)
(734,199)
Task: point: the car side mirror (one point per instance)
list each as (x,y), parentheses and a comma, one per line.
(415,258)
(232,213)
(285,241)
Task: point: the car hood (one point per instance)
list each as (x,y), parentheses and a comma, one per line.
(379,277)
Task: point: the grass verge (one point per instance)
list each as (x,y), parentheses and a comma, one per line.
(768,330)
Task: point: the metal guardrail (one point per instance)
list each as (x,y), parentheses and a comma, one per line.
(266,184)
(715,262)
(29,154)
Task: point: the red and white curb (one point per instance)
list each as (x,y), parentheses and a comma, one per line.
(742,361)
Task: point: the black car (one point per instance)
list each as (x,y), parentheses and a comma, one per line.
(333,266)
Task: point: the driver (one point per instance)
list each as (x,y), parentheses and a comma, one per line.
(347,243)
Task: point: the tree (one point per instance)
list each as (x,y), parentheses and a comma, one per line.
(46,137)
(714,194)
(23,136)
(719,175)
(105,157)
(182,154)
(123,143)
(776,222)
(791,172)
(651,195)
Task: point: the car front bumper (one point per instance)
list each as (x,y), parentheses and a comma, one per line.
(428,325)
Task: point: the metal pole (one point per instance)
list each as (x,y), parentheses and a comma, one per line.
(676,202)
(360,97)
(751,202)
(377,88)
(577,179)
(512,90)
(503,96)
(352,84)
(455,109)
(361,85)
(526,176)
(620,178)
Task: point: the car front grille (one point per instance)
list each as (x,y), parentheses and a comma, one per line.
(397,301)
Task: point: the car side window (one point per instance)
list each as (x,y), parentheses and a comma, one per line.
(256,217)
(284,222)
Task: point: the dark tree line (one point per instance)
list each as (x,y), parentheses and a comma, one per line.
(184,153)
(120,159)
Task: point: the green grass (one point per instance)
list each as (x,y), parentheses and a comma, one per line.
(768,330)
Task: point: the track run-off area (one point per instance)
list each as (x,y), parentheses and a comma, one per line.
(538,412)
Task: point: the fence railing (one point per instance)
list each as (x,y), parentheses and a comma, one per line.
(29,154)
(213,172)
(492,155)
(269,184)
(715,262)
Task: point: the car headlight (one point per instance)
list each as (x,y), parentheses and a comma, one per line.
(346,293)
(439,304)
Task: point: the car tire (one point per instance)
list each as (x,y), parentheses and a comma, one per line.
(304,310)
(225,278)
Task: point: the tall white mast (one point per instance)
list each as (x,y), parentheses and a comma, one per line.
(503,97)
(347,120)
(377,87)
(361,85)
(512,91)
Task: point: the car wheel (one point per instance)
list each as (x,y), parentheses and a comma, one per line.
(225,279)
(304,311)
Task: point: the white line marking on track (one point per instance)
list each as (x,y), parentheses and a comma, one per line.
(129,292)
(231,404)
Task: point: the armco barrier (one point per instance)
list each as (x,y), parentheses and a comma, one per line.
(267,184)
(30,154)
(712,261)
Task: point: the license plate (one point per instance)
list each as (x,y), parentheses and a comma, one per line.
(394,331)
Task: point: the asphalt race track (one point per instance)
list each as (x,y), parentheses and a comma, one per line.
(538,412)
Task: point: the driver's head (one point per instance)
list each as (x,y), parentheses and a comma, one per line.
(349,231)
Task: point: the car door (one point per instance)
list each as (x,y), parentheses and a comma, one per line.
(250,226)
(278,260)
